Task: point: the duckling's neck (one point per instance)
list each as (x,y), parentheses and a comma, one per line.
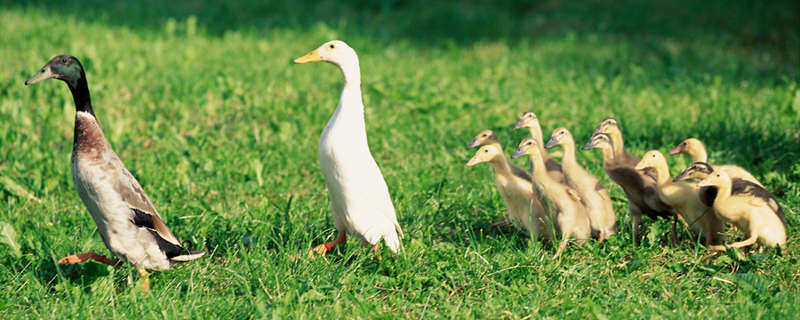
(608,156)
(662,173)
(80,94)
(617,142)
(723,191)
(536,134)
(569,153)
(540,176)
(698,154)
(501,165)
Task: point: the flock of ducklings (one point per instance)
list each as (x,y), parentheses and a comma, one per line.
(564,199)
(563,195)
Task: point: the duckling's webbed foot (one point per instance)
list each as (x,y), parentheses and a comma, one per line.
(81,257)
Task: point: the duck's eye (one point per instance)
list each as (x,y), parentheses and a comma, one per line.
(64,60)
(331,46)
(483,135)
(485,150)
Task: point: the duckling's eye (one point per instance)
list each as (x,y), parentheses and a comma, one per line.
(331,46)
(485,150)
(483,135)
(64,60)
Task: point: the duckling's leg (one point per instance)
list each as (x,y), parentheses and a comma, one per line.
(501,223)
(144,276)
(753,238)
(561,247)
(636,219)
(81,257)
(328,246)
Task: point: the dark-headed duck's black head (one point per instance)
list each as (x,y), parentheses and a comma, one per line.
(62,67)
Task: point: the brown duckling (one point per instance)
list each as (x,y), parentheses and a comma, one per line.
(610,127)
(571,217)
(640,189)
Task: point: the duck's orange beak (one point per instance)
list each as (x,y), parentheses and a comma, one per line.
(312,56)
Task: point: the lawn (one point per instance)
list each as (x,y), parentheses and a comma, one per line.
(203,106)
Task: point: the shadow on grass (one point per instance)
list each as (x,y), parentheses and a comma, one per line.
(753,24)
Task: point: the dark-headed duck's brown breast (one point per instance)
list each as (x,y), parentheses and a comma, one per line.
(89,141)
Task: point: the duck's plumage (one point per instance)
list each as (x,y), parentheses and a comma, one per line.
(127,221)
(359,196)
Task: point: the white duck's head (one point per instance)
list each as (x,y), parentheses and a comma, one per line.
(334,51)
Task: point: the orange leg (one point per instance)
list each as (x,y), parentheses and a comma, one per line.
(81,257)
(328,246)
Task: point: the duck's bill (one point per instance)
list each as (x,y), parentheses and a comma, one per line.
(550,143)
(588,145)
(312,56)
(519,124)
(474,143)
(43,75)
(473,162)
(675,151)
(704,183)
(640,167)
(517,154)
(680,177)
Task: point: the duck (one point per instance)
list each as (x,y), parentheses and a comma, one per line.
(570,214)
(359,197)
(684,197)
(756,212)
(525,212)
(610,127)
(695,149)
(530,121)
(594,196)
(699,171)
(640,189)
(126,219)
(483,138)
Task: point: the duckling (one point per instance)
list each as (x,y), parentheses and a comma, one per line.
(610,127)
(530,121)
(127,221)
(701,170)
(640,189)
(595,197)
(571,217)
(360,201)
(514,185)
(483,138)
(755,211)
(695,149)
(684,197)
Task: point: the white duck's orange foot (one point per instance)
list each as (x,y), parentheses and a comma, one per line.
(81,257)
(320,250)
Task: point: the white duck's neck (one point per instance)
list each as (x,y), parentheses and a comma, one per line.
(351,105)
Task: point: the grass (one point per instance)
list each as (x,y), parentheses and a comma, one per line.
(204,108)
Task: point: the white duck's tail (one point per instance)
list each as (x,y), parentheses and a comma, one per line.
(392,241)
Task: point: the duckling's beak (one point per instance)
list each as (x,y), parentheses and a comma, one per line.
(474,143)
(676,150)
(517,154)
(473,161)
(589,144)
(640,166)
(45,73)
(681,176)
(550,143)
(312,56)
(519,124)
(704,183)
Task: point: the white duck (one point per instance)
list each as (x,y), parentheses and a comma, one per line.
(127,221)
(360,202)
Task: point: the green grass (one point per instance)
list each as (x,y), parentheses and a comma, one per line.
(204,108)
